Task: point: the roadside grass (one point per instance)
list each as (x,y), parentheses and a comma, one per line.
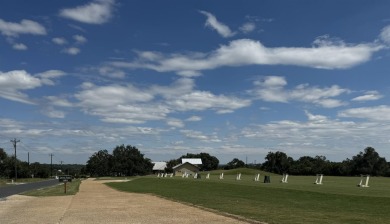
(7,182)
(57,190)
(338,200)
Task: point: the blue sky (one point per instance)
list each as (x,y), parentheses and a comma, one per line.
(232,78)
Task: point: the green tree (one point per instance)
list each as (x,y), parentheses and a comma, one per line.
(170,164)
(277,162)
(99,164)
(234,164)
(369,162)
(128,161)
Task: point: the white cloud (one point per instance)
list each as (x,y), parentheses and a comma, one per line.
(80,39)
(197,135)
(96,12)
(213,23)
(58,101)
(25,26)
(51,112)
(385,34)
(20,47)
(12,84)
(194,118)
(202,100)
(369,96)
(249,52)
(59,40)
(175,123)
(272,89)
(111,72)
(71,51)
(378,113)
(130,104)
(248,27)
(319,134)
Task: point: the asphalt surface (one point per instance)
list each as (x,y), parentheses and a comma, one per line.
(20,188)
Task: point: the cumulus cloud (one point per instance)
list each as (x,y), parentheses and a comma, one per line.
(175,123)
(79,39)
(71,51)
(130,104)
(272,89)
(194,118)
(324,55)
(20,47)
(197,135)
(248,27)
(13,83)
(213,23)
(385,35)
(320,133)
(377,113)
(59,40)
(368,96)
(25,26)
(96,12)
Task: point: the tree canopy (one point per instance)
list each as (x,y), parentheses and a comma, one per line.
(124,161)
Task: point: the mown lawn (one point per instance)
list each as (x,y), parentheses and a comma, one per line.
(338,200)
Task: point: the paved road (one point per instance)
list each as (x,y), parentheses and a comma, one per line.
(17,189)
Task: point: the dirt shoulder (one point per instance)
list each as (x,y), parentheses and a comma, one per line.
(98,203)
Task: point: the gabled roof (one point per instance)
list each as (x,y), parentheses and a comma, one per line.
(159,165)
(178,166)
(194,161)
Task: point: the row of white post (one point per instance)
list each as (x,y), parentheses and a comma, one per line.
(165,174)
(364,179)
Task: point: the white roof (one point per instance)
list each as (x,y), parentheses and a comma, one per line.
(194,161)
(159,165)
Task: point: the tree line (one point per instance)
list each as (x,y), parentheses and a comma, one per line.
(129,161)
(37,170)
(367,161)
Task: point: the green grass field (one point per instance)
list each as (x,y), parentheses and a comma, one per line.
(338,200)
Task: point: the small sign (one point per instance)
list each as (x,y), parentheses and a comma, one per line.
(65,178)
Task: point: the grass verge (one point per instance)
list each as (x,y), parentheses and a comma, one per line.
(274,203)
(57,190)
(6,182)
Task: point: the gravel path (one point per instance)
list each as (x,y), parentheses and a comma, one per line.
(98,203)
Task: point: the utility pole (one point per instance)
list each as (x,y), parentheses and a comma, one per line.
(51,165)
(14,143)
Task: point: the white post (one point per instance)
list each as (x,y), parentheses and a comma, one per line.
(187,174)
(196,176)
(367,178)
(284,178)
(183,175)
(366,181)
(238,176)
(221,176)
(257,177)
(319,178)
(158,175)
(361,181)
(165,175)
(208,176)
(171,175)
